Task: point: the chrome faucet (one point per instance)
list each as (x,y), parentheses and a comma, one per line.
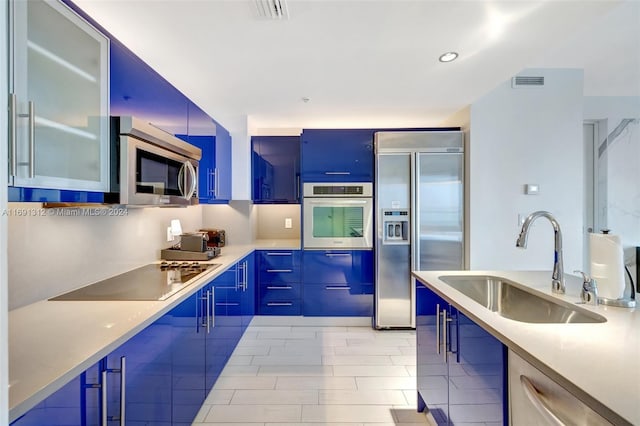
(557,277)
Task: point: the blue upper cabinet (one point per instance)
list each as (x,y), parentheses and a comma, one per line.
(137,90)
(275,171)
(223,165)
(330,155)
(58,103)
(214,184)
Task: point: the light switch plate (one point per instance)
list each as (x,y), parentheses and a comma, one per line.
(288,223)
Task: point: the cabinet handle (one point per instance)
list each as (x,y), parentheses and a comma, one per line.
(337,173)
(279,254)
(32,140)
(337,254)
(279,270)
(330,287)
(123,385)
(13,137)
(237,283)
(279,304)
(444,334)
(540,404)
(213,314)
(210,189)
(438,328)
(103,400)
(297,187)
(280,287)
(226,304)
(217,182)
(209,311)
(245,279)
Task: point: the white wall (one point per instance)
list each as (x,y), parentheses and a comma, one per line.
(4,357)
(271,221)
(527,136)
(241,161)
(50,255)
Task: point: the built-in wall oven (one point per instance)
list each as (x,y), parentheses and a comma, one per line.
(338,215)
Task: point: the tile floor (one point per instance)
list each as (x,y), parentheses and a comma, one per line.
(316,373)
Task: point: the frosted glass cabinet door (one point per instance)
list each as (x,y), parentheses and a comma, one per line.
(59,99)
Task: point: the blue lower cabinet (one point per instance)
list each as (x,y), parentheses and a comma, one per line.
(461,368)
(338,299)
(338,282)
(279,282)
(276,298)
(191,321)
(64,407)
(144,363)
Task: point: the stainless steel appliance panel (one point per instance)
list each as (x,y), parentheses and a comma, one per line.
(337,215)
(420,174)
(393,273)
(439,201)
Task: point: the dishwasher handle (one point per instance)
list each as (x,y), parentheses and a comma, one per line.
(539,403)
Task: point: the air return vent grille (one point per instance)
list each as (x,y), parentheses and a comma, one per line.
(524,81)
(272,9)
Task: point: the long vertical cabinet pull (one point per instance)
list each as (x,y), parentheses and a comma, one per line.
(212,312)
(216,186)
(245,279)
(444,334)
(13,135)
(32,140)
(438,328)
(123,385)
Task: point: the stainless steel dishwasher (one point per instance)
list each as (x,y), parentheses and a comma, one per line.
(537,400)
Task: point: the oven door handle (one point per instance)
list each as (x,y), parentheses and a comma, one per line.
(337,202)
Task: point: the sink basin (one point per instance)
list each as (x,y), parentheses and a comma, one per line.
(511,301)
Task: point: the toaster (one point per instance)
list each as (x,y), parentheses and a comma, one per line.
(217,237)
(195,241)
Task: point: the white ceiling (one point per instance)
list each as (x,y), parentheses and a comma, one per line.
(370,63)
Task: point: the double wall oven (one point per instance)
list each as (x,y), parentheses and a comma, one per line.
(338,215)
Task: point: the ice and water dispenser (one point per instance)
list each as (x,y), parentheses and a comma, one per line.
(395,225)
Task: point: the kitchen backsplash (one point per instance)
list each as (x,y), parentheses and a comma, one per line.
(50,254)
(54,251)
(271,221)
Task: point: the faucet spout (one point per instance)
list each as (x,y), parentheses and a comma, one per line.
(557,277)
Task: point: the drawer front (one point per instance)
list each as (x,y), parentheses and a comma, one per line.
(281,266)
(281,275)
(284,291)
(280,307)
(338,300)
(338,266)
(279,259)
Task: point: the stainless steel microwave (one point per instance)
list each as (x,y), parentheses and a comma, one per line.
(150,167)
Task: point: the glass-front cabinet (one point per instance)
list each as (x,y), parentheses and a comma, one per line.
(59,99)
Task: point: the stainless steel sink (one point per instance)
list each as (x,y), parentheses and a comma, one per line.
(510,301)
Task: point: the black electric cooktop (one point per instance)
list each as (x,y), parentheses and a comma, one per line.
(149,282)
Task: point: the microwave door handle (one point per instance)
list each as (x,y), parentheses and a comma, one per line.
(194,179)
(181,179)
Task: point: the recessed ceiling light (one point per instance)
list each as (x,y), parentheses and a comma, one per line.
(448,57)
(305,99)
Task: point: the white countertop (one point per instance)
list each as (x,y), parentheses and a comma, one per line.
(51,342)
(597,362)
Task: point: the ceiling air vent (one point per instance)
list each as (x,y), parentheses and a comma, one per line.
(525,81)
(272,9)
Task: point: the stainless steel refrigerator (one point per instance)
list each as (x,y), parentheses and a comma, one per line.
(419,216)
